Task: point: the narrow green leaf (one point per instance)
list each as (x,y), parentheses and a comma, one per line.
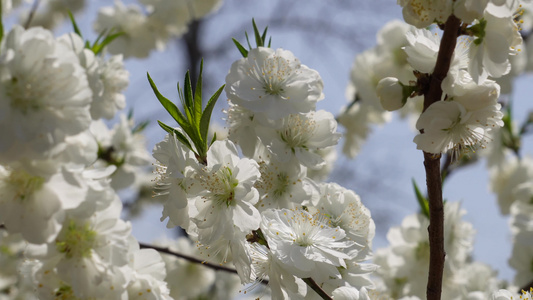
(178,134)
(108,39)
(269,42)
(99,37)
(213,139)
(198,96)
(258,39)
(186,108)
(264,35)
(74,24)
(248,40)
(189,101)
(168,105)
(422,201)
(241,48)
(140,127)
(206,115)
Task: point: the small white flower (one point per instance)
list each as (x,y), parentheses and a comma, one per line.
(226,195)
(44,94)
(391,93)
(282,185)
(89,250)
(489,54)
(296,135)
(463,120)
(138,39)
(122,148)
(422,13)
(345,209)
(241,128)
(29,201)
(174,161)
(305,244)
(273,83)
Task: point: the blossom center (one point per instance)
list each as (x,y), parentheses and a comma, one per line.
(23,94)
(297,131)
(273,75)
(221,185)
(271,182)
(24,184)
(78,240)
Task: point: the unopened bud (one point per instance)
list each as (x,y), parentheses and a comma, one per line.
(392,93)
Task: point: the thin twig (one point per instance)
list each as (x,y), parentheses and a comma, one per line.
(193,260)
(432,164)
(189,258)
(34,8)
(313,285)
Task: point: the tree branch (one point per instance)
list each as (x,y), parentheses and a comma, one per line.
(189,258)
(193,259)
(432,164)
(34,8)
(313,285)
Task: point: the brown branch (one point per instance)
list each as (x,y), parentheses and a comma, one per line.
(193,259)
(313,285)
(34,8)
(432,164)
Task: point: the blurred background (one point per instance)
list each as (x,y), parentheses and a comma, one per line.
(326,36)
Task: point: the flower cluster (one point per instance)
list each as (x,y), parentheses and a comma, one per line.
(142,32)
(262,212)
(59,172)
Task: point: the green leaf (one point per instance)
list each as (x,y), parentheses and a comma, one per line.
(422,201)
(178,134)
(130,114)
(264,35)
(74,24)
(97,48)
(269,42)
(99,37)
(206,115)
(198,96)
(169,106)
(258,39)
(140,127)
(188,99)
(248,40)
(213,139)
(241,48)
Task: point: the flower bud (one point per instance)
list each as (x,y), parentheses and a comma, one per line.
(391,93)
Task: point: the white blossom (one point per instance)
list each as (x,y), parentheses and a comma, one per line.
(273,83)
(296,135)
(226,195)
(44,91)
(305,244)
(138,37)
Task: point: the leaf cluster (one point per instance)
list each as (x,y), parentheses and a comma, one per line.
(260,40)
(194,121)
(103,39)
